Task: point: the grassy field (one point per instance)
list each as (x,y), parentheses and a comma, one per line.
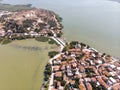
(22,64)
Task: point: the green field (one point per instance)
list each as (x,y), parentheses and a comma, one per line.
(22,64)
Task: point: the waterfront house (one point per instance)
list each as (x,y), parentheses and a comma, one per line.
(2,32)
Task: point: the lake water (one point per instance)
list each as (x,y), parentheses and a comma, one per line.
(22,65)
(94,22)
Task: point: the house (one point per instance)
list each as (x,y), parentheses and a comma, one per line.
(109,82)
(99,62)
(88,86)
(87,79)
(82,86)
(43,32)
(93,79)
(58,74)
(112,73)
(62,67)
(86,51)
(69,73)
(2,32)
(112,66)
(116,86)
(101,81)
(112,80)
(118,68)
(119,76)
(81,68)
(56,68)
(32,33)
(74,65)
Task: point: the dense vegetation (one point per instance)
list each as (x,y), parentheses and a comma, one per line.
(47,72)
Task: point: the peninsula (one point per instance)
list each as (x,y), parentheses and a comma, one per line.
(80,67)
(33,23)
(76,66)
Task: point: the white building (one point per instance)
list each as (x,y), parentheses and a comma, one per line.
(112,80)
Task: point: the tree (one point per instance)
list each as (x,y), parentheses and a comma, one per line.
(67,87)
(51,41)
(58,79)
(37,30)
(50,34)
(52,53)
(76,85)
(59,18)
(52,23)
(28,23)
(67,47)
(59,34)
(63,83)
(73,43)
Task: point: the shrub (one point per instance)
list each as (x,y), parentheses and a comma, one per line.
(73,43)
(52,23)
(42,39)
(63,83)
(59,78)
(6,41)
(67,87)
(52,53)
(1,40)
(37,30)
(59,34)
(51,41)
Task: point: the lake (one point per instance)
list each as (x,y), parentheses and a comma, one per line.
(94,22)
(22,65)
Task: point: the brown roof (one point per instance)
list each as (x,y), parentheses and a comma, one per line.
(102,82)
(63,67)
(106,73)
(56,68)
(81,68)
(89,87)
(93,79)
(58,74)
(82,86)
(74,50)
(72,81)
(116,86)
(64,63)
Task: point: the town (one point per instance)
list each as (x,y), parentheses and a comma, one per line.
(29,23)
(79,67)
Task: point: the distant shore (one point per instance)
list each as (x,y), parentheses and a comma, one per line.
(9,7)
(116,1)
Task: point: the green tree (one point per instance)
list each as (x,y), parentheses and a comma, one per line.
(63,83)
(52,53)
(67,87)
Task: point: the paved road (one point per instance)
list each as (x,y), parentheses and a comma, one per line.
(52,75)
(60,42)
(62,45)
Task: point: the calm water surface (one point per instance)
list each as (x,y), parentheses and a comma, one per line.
(94,22)
(22,65)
